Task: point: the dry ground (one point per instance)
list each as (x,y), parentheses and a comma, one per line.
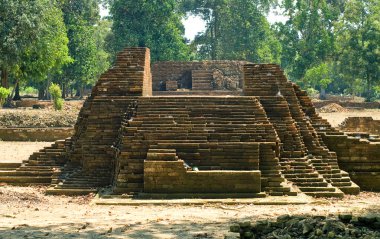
(15,152)
(28,213)
(338,117)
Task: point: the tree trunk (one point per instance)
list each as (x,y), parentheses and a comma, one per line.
(63,91)
(48,96)
(77,94)
(17,92)
(4,78)
(41,93)
(322,95)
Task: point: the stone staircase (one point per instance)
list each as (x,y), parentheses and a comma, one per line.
(91,158)
(295,166)
(39,168)
(209,133)
(270,81)
(202,80)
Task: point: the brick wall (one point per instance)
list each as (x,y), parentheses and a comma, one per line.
(361,124)
(231,73)
(172,177)
(35,134)
(359,157)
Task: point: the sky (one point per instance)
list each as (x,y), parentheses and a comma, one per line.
(194,24)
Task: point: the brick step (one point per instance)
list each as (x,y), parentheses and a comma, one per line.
(36,168)
(332,176)
(317,189)
(312,180)
(338,194)
(301,175)
(280,194)
(70,191)
(277,189)
(341,184)
(311,184)
(295,163)
(25,180)
(6,166)
(80,186)
(25,173)
(290,168)
(342,179)
(298,171)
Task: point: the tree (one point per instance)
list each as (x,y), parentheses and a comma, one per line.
(19,30)
(307,38)
(236,29)
(33,40)
(49,54)
(146,23)
(358,37)
(318,77)
(81,19)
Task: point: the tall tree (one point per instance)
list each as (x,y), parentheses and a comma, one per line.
(358,38)
(149,23)
(34,42)
(81,19)
(307,37)
(236,29)
(19,29)
(49,54)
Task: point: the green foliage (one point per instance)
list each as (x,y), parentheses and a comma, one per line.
(312,92)
(236,29)
(307,38)
(50,53)
(87,34)
(358,37)
(18,32)
(153,24)
(33,43)
(377,92)
(30,90)
(56,93)
(318,76)
(4,93)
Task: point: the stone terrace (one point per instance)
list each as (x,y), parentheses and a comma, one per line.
(263,142)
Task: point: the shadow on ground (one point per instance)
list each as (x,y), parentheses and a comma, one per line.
(149,230)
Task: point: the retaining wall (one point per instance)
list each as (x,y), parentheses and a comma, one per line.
(35,134)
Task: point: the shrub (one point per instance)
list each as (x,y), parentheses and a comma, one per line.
(312,92)
(30,91)
(56,94)
(4,92)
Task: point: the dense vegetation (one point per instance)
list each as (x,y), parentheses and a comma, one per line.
(325,45)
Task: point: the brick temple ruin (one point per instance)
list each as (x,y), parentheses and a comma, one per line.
(207,129)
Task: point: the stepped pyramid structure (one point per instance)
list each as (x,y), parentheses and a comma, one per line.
(265,140)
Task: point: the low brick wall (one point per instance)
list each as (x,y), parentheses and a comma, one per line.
(359,157)
(172,177)
(35,134)
(369,181)
(361,124)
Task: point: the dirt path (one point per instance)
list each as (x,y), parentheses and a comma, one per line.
(15,152)
(28,213)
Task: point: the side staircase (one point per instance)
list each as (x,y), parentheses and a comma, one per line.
(270,81)
(39,168)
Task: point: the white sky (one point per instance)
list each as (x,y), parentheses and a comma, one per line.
(194,24)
